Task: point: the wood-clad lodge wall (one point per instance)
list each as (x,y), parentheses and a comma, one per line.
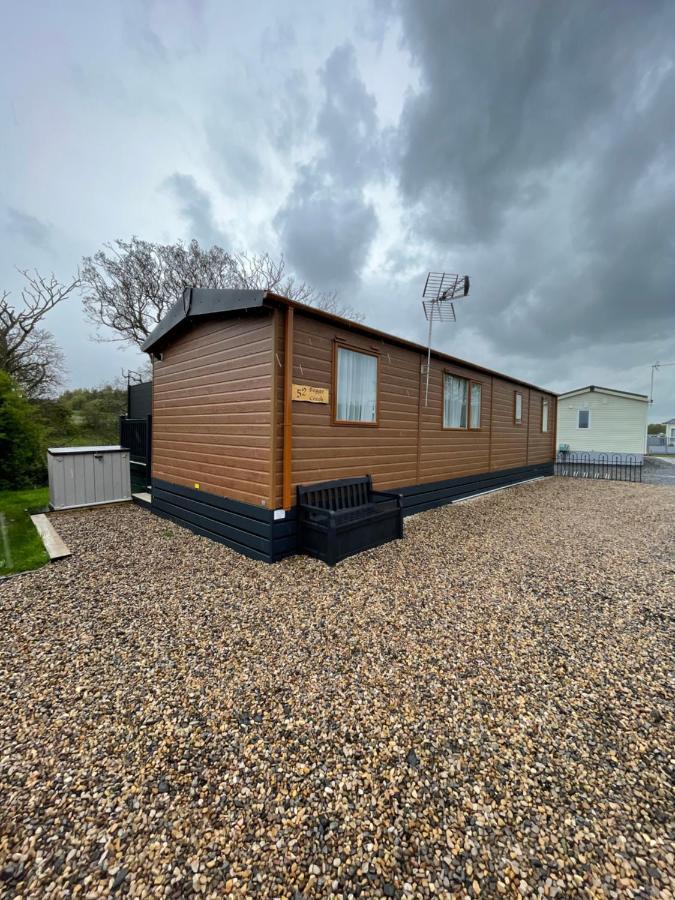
(451,452)
(409,446)
(218,402)
(323,451)
(212,408)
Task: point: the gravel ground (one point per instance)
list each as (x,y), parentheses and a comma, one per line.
(658,471)
(482,709)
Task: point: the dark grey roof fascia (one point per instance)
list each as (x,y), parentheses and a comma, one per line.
(203,302)
(200,302)
(596,387)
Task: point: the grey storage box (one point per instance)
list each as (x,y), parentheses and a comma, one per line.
(86,476)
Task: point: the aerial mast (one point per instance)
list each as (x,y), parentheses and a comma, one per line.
(657,365)
(441,289)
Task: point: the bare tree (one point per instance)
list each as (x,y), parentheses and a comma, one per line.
(129,286)
(28,353)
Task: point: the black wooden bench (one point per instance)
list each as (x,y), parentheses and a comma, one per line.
(339,518)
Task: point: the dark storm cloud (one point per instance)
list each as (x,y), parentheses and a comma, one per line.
(27,227)
(512,90)
(196,208)
(326,233)
(327,225)
(538,151)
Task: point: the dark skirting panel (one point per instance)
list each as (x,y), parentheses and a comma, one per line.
(255,532)
(249,529)
(419,497)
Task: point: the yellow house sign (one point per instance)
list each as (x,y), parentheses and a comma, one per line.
(310,394)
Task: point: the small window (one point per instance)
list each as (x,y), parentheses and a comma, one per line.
(584,418)
(356,388)
(455,400)
(544,414)
(476,392)
(518,408)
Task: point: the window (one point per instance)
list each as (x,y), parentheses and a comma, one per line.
(584,418)
(455,398)
(476,392)
(518,408)
(461,402)
(356,387)
(544,414)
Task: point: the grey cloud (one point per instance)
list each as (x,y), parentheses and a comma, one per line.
(239,166)
(196,208)
(292,119)
(327,225)
(29,228)
(533,151)
(347,121)
(538,149)
(327,233)
(511,91)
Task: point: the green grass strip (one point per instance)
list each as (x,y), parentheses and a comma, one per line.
(21,547)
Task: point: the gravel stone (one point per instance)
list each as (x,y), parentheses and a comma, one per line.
(482,709)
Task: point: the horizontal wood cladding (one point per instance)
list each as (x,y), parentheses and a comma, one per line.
(213,408)
(218,401)
(451,452)
(508,440)
(323,451)
(541,444)
(409,445)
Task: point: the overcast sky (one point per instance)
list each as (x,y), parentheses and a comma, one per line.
(530,144)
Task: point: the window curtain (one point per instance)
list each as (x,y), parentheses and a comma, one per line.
(356,386)
(455,402)
(475,405)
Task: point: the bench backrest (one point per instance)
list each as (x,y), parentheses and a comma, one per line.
(347,493)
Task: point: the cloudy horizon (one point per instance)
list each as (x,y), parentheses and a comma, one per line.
(526,144)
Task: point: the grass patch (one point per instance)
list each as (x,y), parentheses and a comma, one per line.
(21,547)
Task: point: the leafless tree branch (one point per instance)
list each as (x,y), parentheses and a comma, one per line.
(129,286)
(28,353)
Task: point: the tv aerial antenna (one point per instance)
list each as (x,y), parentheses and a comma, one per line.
(655,367)
(440,291)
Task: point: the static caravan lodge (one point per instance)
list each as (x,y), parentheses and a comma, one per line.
(254,395)
(603,420)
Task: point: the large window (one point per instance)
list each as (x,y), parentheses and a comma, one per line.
(518,408)
(356,387)
(461,402)
(584,420)
(544,414)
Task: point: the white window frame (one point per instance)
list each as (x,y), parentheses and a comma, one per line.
(545,408)
(580,427)
(517,413)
